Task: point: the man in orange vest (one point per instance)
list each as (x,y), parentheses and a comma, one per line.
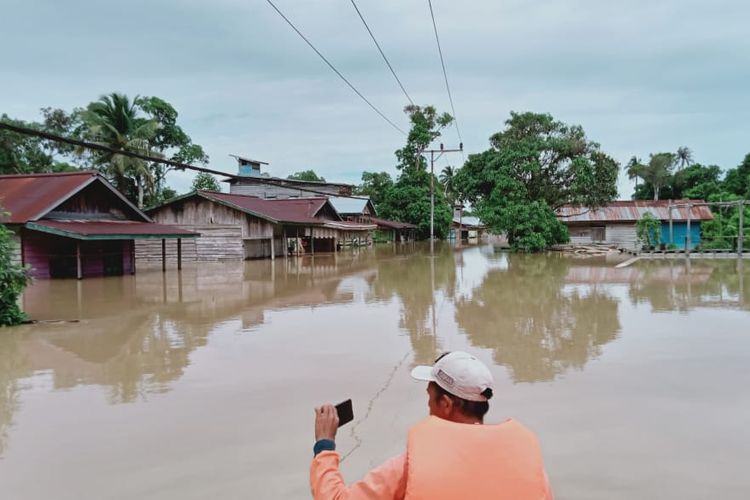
(449,455)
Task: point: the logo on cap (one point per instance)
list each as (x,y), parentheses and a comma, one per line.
(444,377)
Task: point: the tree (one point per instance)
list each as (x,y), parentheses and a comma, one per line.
(658,172)
(696,182)
(533,167)
(446,179)
(24,154)
(13,279)
(408,199)
(205,182)
(648,230)
(684,156)
(374,185)
(115,121)
(634,169)
(306,175)
(737,180)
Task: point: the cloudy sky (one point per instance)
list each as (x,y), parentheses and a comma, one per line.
(640,76)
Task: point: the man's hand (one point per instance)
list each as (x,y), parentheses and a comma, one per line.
(326,422)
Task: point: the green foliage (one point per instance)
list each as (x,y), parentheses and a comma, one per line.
(205,182)
(23,154)
(306,175)
(408,199)
(658,171)
(648,230)
(13,279)
(375,185)
(533,167)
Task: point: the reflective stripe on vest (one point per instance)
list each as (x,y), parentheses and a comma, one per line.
(446,460)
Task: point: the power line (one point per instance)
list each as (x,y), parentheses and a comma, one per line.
(445,74)
(333,68)
(393,72)
(165,161)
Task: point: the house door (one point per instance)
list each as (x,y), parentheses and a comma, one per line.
(112,256)
(597,234)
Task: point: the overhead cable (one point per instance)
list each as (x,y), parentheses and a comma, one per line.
(445,73)
(393,72)
(333,68)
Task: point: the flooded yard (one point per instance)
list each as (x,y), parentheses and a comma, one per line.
(201,384)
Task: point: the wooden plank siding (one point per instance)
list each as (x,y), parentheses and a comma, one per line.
(226,234)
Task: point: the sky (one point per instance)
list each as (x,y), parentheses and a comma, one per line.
(640,76)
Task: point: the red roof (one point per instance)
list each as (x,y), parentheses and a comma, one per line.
(30,197)
(392,224)
(634,210)
(98,229)
(294,210)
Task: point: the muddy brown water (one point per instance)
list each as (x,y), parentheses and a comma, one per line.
(201,384)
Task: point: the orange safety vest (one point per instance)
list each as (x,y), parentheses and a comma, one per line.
(447,460)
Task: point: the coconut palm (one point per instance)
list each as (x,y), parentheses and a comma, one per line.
(113,120)
(446,179)
(634,169)
(684,156)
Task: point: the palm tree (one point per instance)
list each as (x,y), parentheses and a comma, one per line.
(113,120)
(634,169)
(684,156)
(658,172)
(446,179)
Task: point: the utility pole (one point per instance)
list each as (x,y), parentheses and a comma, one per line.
(440,152)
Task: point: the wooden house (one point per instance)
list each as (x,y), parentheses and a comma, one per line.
(359,209)
(252,182)
(76,225)
(393,231)
(238,227)
(615,223)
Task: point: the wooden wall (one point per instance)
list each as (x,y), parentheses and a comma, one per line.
(216,243)
(278,192)
(52,256)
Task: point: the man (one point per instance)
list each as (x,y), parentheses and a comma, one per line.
(449,455)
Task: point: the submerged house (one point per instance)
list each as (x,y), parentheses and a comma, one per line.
(355,209)
(76,225)
(238,227)
(615,223)
(393,231)
(468,226)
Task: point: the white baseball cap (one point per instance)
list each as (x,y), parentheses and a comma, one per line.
(459,373)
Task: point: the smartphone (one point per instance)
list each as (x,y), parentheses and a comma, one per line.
(345,412)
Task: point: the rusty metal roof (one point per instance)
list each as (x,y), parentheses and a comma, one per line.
(293,210)
(392,224)
(634,210)
(30,197)
(109,230)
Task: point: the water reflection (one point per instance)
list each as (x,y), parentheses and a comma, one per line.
(541,315)
(535,326)
(685,285)
(416,279)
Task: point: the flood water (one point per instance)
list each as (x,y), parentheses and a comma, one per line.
(201,384)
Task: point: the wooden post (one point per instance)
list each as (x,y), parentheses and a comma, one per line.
(273,250)
(79,268)
(312,241)
(741,236)
(179,254)
(132,257)
(285,242)
(689,216)
(163,255)
(671,227)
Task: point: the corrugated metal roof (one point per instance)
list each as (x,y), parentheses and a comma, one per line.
(634,210)
(354,206)
(392,224)
(468,221)
(293,210)
(98,229)
(30,197)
